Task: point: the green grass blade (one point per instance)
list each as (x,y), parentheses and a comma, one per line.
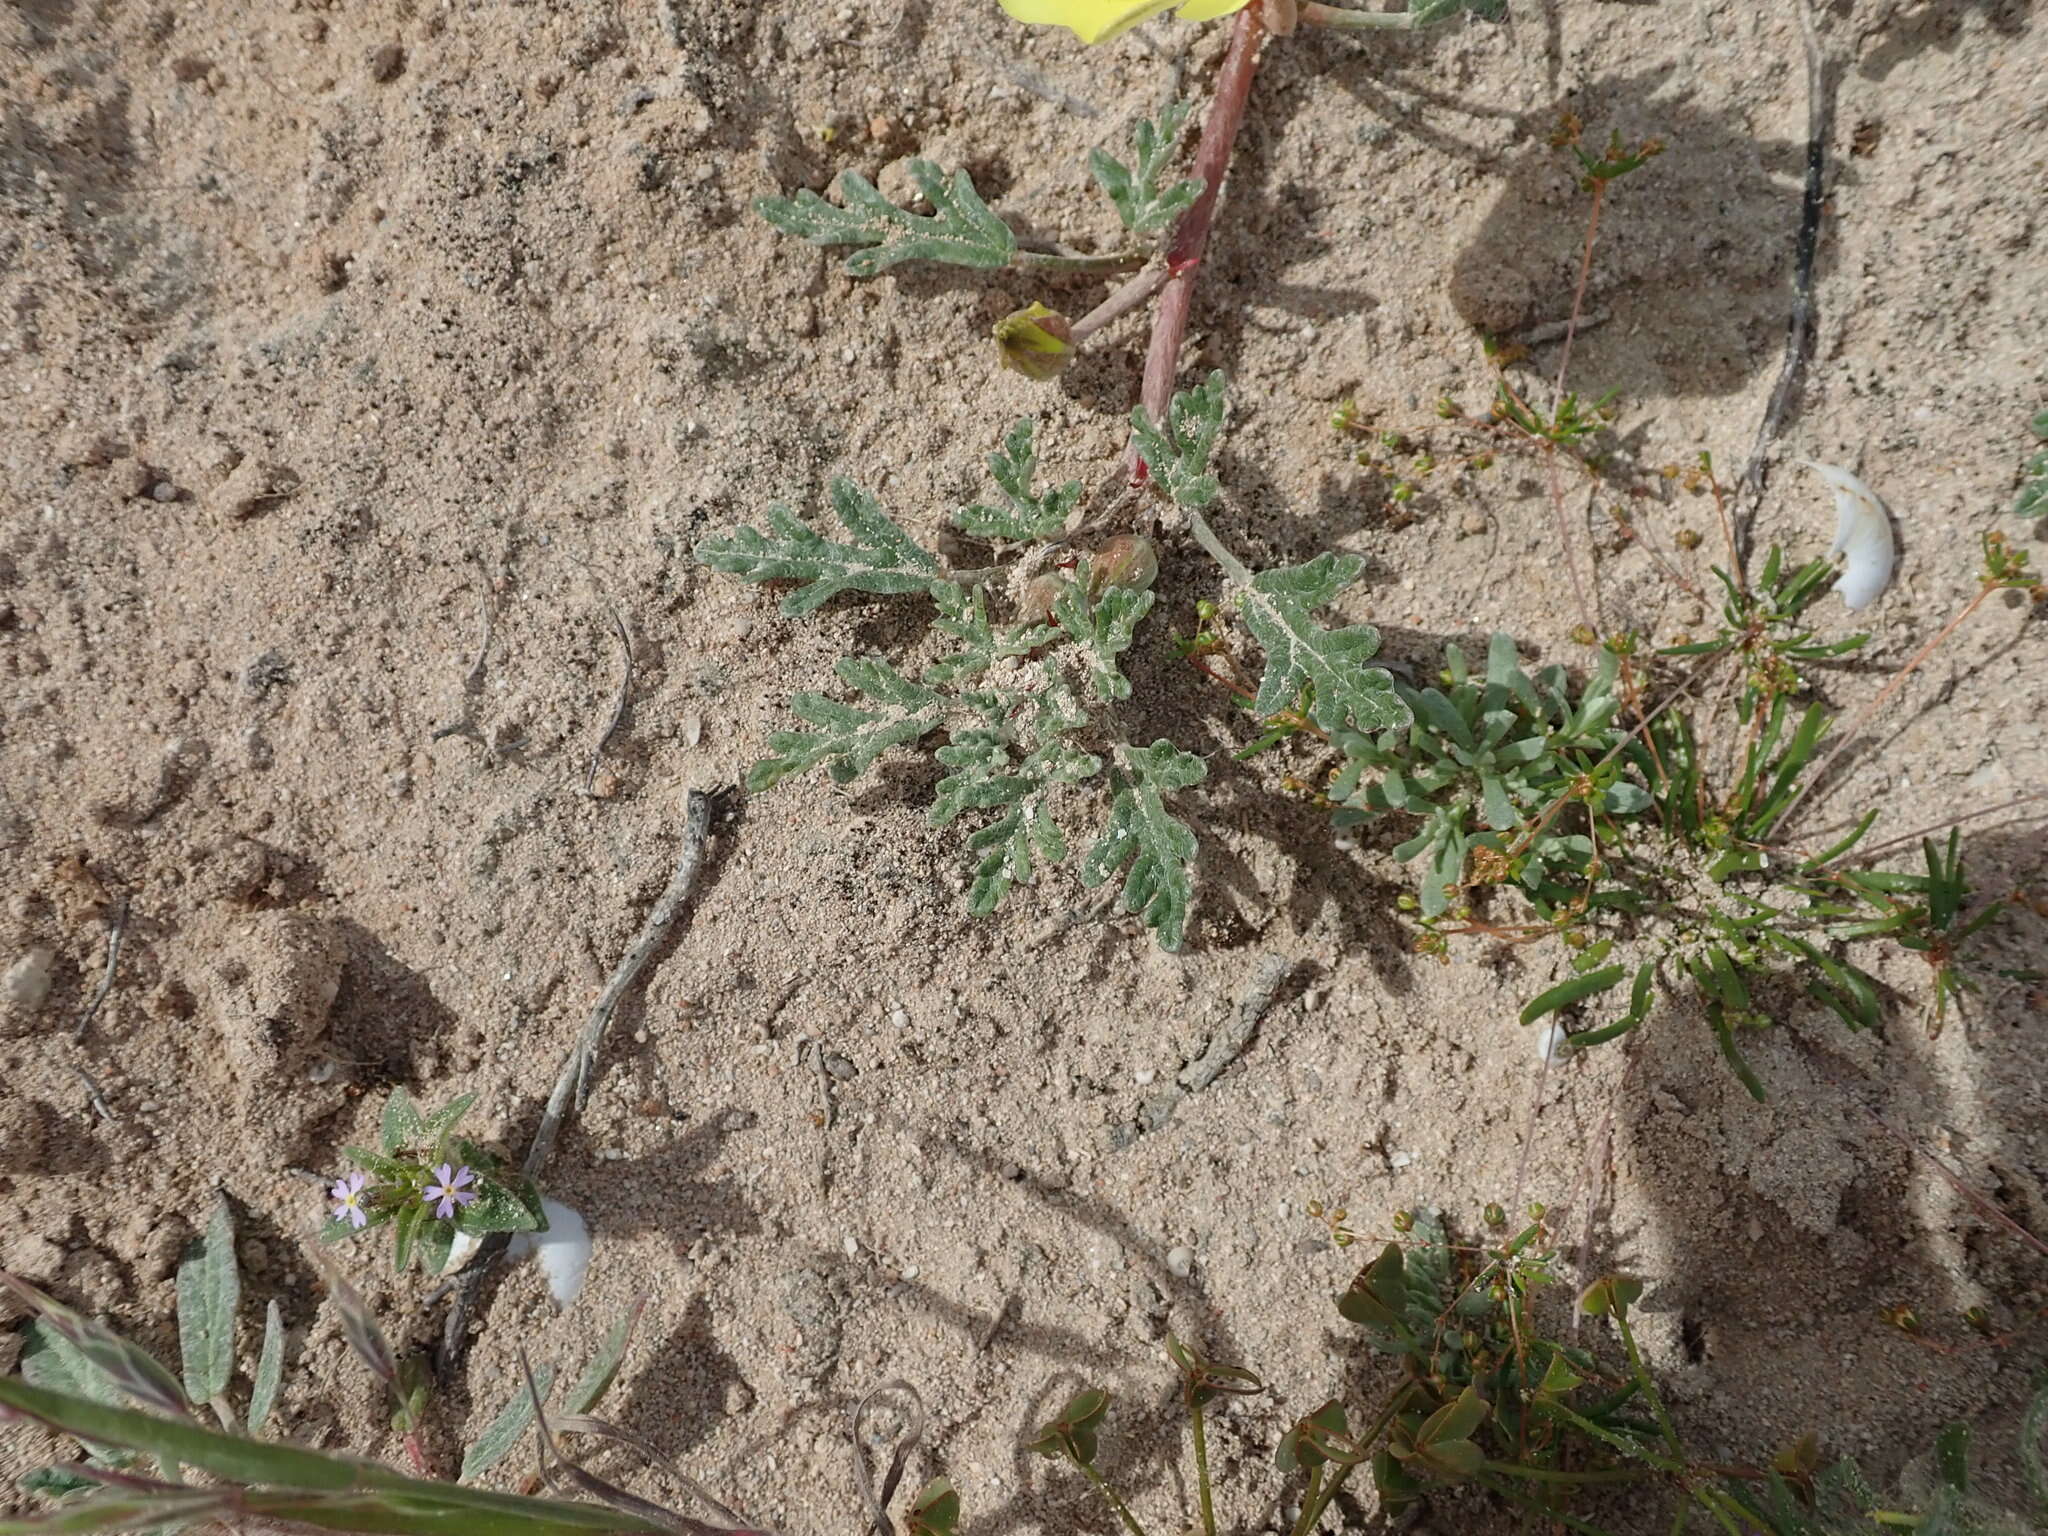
(123,1509)
(209,1291)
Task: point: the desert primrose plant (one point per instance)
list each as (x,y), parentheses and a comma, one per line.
(149,1462)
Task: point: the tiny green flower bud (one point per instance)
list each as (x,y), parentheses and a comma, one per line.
(1687,538)
(1536,1209)
(1495,1215)
(1404,492)
(1035,341)
(1582,634)
(1404,1221)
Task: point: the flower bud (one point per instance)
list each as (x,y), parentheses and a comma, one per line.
(1035,341)
(1128,560)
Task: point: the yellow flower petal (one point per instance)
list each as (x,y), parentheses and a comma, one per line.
(1092,21)
(1096,21)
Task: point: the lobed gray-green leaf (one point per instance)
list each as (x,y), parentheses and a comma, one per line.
(960,230)
(882,557)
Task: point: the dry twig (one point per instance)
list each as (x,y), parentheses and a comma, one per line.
(99,994)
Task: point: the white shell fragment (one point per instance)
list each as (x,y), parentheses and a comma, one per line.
(563,1250)
(1863,537)
(1553,1044)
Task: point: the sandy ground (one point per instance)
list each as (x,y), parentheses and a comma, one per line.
(362,362)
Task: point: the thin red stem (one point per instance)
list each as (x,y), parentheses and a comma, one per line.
(1191,235)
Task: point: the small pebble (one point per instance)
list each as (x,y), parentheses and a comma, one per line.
(163,490)
(1180,1261)
(27,981)
(851,1245)
(1144,1077)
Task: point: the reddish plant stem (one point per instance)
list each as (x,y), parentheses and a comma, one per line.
(1118,304)
(1191,234)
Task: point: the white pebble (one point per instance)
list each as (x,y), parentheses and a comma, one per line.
(27,981)
(1181,1261)
(851,1245)
(1553,1044)
(1144,1076)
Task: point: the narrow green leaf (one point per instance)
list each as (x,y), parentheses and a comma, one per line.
(961,231)
(121,1509)
(209,1291)
(597,1377)
(405,1234)
(1952,1456)
(1571,990)
(503,1432)
(1146,842)
(269,1370)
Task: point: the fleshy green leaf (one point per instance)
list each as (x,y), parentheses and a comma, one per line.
(960,231)
(1278,609)
(849,737)
(936,1509)
(1145,206)
(1141,834)
(1177,451)
(881,558)
(1025,514)
(1102,630)
(209,1291)
(437,1241)
(1574,989)
(269,1370)
(963,614)
(503,1432)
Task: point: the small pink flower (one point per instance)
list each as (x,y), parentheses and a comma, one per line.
(449,1191)
(348,1197)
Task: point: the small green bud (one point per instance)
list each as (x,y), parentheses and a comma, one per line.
(1405,491)
(1446,407)
(1498,1294)
(1315,1209)
(1536,1210)
(1495,1215)
(1687,538)
(1582,634)
(1404,1221)
(1035,341)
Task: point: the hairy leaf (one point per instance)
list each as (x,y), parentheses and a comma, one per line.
(881,558)
(1145,206)
(209,1291)
(401,1126)
(960,231)
(849,737)
(503,1432)
(1177,451)
(269,1370)
(1102,631)
(963,614)
(1141,834)
(597,1377)
(1299,651)
(988,776)
(1025,513)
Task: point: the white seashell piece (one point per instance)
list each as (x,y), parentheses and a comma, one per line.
(563,1250)
(1863,537)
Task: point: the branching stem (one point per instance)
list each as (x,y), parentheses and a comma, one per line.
(1120,303)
